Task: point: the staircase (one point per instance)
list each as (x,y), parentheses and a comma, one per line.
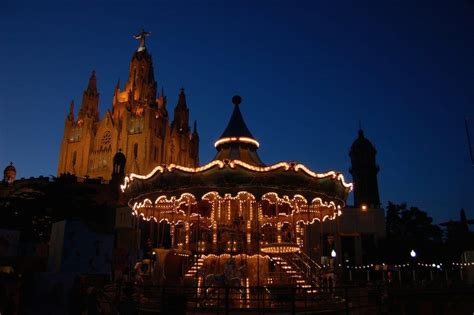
(300,269)
(196,265)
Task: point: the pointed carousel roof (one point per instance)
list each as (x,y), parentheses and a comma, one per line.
(237,167)
(237,142)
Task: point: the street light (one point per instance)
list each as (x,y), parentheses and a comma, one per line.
(413,255)
(333,253)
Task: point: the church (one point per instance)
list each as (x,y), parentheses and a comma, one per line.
(138,124)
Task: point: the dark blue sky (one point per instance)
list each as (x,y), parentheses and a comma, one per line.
(307,73)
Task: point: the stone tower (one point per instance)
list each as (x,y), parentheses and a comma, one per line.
(138,123)
(364,171)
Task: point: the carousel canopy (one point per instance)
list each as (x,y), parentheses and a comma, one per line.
(233,176)
(237,167)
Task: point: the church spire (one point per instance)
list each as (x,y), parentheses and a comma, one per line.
(92,85)
(141,79)
(90,99)
(182,100)
(70,115)
(181,114)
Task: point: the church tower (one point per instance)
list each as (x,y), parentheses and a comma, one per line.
(181,135)
(364,171)
(137,123)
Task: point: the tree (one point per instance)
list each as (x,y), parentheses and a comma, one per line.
(407,229)
(458,238)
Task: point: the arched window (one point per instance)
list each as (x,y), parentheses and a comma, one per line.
(135,151)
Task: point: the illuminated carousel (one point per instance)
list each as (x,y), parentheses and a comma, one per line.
(235,221)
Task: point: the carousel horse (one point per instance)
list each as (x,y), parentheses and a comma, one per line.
(229,279)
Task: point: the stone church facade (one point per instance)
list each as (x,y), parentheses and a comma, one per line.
(138,125)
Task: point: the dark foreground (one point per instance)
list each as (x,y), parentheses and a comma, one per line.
(100,298)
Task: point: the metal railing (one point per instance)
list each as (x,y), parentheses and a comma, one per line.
(261,300)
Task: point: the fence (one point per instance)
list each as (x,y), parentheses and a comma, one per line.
(261,300)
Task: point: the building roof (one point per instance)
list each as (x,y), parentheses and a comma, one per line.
(362,144)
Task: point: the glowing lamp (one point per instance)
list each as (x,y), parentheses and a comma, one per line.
(413,253)
(280,248)
(333,253)
(364,207)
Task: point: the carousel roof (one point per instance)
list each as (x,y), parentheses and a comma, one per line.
(237,142)
(237,168)
(233,176)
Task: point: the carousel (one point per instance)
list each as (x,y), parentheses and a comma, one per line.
(234,221)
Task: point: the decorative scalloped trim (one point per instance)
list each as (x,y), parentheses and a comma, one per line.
(232,163)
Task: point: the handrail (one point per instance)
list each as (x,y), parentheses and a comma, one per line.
(306,257)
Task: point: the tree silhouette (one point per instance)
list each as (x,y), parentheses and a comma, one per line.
(458,238)
(407,229)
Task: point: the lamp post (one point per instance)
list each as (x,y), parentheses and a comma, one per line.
(332,278)
(333,259)
(413,256)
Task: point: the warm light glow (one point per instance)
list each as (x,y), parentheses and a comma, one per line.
(222,208)
(413,253)
(279,232)
(364,207)
(333,253)
(236,139)
(279,248)
(287,166)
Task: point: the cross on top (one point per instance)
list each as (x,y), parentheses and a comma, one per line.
(141,37)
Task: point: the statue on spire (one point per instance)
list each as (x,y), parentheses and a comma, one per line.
(141,37)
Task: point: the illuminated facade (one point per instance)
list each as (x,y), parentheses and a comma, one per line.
(138,124)
(237,208)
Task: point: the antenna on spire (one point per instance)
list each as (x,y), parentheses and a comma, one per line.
(469,143)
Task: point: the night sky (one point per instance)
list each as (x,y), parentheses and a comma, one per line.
(307,73)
